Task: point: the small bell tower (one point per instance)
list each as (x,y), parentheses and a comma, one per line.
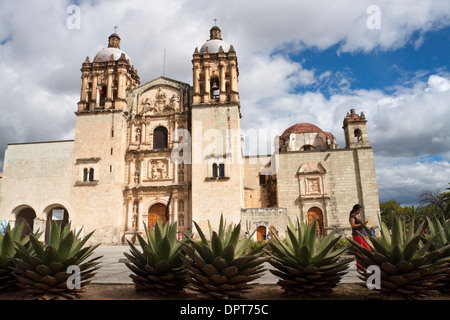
(215,71)
(355,130)
(104,81)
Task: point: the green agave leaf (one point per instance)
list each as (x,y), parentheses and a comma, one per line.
(221,228)
(304,255)
(228,253)
(8,246)
(38,247)
(162,253)
(397,232)
(55,234)
(16,232)
(207,253)
(65,246)
(385,235)
(396,254)
(200,233)
(172,234)
(411,247)
(158,232)
(293,241)
(235,235)
(216,244)
(379,247)
(324,251)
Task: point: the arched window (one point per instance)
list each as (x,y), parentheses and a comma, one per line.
(215,90)
(85,174)
(358,135)
(91,175)
(160,138)
(214,170)
(221,170)
(307,147)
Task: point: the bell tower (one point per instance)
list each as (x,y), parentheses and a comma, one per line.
(215,71)
(217,164)
(104,81)
(355,130)
(100,139)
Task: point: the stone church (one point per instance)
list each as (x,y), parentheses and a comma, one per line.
(173,151)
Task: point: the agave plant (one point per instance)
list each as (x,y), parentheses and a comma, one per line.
(308,266)
(441,232)
(409,268)
(158,268)
(224,267)
(8,251)
(43,271)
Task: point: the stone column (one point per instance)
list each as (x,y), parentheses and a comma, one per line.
(94,93)
(207,85)
(143,133)
(175,209)
(129,220)
(140,210)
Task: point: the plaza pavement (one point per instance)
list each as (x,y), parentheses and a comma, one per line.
(114,271)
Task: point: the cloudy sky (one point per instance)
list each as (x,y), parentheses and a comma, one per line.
(299,61)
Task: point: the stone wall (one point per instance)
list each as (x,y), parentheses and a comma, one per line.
(36,175)
(349,178)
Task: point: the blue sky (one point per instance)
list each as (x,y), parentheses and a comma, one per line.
(299,61)
(379,69)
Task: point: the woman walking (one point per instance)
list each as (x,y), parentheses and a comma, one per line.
(357,228)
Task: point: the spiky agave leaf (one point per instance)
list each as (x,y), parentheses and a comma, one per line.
(409,268)
(44,270)
(307,265)
(223,267)
(442,230)
(157,269)
(7,252)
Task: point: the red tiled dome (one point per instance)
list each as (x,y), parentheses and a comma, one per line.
(302,127)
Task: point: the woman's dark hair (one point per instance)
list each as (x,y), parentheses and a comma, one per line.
(356,207)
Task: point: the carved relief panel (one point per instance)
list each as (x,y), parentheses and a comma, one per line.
(158,169)
(160,101)
(311,177)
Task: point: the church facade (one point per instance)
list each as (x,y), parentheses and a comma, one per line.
(168,150)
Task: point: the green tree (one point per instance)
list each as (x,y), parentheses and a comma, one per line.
(388,210)
(436,202)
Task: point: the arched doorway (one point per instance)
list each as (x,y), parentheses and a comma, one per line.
(26,215)
(316,213)
(156,212)
(261,233)
(59,215)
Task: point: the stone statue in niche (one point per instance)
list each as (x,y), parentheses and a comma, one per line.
(175,102)
(181,173)
(138,135)
(136,176)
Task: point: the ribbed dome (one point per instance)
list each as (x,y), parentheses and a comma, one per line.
(105,54)
(303,127)
(214,45)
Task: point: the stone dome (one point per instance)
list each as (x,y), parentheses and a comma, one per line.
(303,127)
(105,54)
(113,49)
(214,45)
(215,41)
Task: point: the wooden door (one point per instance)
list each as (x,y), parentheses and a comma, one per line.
(316,213)
(156,212)
(260,233)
